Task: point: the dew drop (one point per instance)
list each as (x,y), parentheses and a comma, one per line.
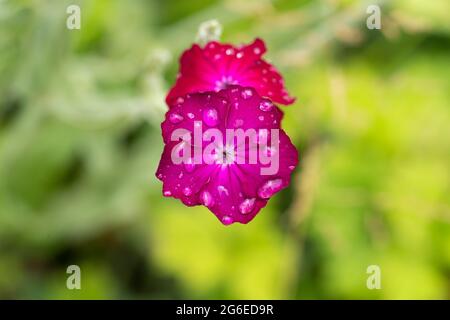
(187,191)
(226,220)
(175,118)
(266,105)
(239,55)
(180,100)
(291,168)
(191,115)
(207,199)
(229,52)
(247,206)
(246,93)
(270,188)
(261,118)
(222,190)
(256,51)
(167,193)
(211,117)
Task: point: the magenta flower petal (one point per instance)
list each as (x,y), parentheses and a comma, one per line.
(216,66)
(234,191)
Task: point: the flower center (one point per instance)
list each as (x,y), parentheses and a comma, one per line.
(225,155)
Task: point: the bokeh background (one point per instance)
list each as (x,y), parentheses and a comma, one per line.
(80,141)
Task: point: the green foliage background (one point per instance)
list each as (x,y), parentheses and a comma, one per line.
(80,141)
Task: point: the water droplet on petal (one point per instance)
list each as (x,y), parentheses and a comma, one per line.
(222,190)
(167,193)
(247,205)
(226,220)
(175,118)
(211,117)
(266,105)
(191,115)
(270,188)
(229,52)
(247,93)
(206,199)
(180,175)
(256,51)
(291,168)
(187,191)
(160,176)
(239,55)
(261,118)
(180,100)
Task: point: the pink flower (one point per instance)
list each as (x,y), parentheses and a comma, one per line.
(204,164)
(217,66)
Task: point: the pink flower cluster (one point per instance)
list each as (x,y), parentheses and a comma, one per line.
(221,87)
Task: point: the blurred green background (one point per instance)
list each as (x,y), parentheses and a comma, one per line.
(80,141)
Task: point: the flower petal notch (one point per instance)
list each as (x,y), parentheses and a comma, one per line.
(225,150)
(216,66)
